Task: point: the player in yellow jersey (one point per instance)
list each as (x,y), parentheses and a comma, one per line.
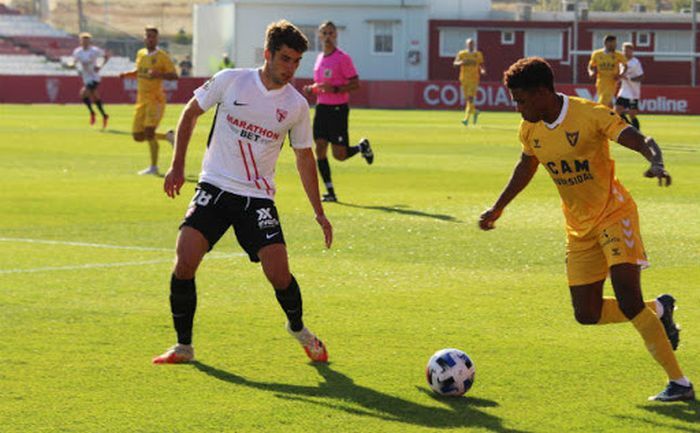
(153,65)
(604,66)
(471,68)
(569,137)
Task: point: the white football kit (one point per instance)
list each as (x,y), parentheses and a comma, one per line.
(631,89)
(87,59)
(249,129)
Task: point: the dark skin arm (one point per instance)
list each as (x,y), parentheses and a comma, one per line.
(523,172)
(633,139)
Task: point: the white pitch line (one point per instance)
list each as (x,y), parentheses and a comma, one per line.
(83,244)
(103,265)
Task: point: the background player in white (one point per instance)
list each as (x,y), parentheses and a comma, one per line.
(255,110)
(85,57)
(627,101)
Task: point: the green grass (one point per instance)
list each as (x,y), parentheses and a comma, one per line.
(409,273)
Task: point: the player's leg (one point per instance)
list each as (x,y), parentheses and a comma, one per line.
(95,96)
(621,109)
(466,92)
(633,112)
(324,168)
(625,279)
(153,115)
(275,265)
(85,96)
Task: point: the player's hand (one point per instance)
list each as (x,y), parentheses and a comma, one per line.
(488,217)
(327,229)
(174,179)
(324,88)
(658,171)
(308,89)
(152,73)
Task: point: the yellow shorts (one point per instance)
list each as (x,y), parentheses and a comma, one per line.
(469,89)
(147,115)
(588,259)
(606,93)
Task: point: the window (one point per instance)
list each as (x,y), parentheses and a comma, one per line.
(673,42)
(383,37)
(311,33)
(643,39)
(544,43)
(599,38)
(452,40)
(507,38)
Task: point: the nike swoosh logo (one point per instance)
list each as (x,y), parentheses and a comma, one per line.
(236,103)
(270,236)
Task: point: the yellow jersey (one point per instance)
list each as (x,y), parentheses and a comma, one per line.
(151,89)
(470,70)
(576,153)
(607,64)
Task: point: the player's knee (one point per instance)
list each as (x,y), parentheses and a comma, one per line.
(184,270)
(586,317)
(340,154)
(630,309)
(138,136)
(149,134)
(280,279)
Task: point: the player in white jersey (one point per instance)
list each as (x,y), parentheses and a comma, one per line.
(627,101)
(255,110)
(85,58)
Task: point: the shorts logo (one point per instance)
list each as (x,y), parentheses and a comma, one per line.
(281,114)
(201,198)
(265,218)
(572,137)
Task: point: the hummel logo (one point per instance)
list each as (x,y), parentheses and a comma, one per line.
(236,103)
(271,235)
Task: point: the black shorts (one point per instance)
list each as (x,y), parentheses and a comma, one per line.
(630,104)
(331,123)
(255,220)
(92,85)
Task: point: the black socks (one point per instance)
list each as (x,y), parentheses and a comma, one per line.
(325,169)
(99,107)
(87,102)
(635,123)
(183,303)
(290,301)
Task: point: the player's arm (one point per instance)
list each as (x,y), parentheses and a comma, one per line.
(457,61)
(352,85)
(105,59)
(129,74)
(168,76)
(523,172)
(306,165)
(175,177)
(592,67)
(633,139)
(638,78)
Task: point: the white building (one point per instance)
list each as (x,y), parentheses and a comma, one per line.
(388,39)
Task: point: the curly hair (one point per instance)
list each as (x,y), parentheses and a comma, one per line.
(529,73)
(283,32)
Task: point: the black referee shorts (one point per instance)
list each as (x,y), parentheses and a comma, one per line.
(331,123)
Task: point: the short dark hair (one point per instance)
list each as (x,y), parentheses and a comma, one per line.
(529,73)
(327,23)
(285,33)
(609,38)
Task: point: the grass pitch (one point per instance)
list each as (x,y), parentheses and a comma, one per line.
(86,252)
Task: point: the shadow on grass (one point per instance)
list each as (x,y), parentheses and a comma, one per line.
(687,411)
(403,210)
(339,392)
(188,178)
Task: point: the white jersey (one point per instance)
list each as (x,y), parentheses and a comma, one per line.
(249,129)
(87,59)
(631,89)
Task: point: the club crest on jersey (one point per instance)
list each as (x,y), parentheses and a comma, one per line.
(327,73)
(537,144)
(281,114)
(572,137)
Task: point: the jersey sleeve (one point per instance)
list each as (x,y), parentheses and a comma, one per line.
(168,65)
(608,122)
(211,92)
(348,68)
(621,58)
(300,136)
(524,139)
(594,59)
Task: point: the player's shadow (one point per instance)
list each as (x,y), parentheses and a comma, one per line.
(188,178)
(339,392)
(403,210)
(688,411)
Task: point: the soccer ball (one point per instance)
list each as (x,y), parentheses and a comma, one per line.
(450,372)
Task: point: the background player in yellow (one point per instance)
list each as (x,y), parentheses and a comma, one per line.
(153,65)
(569,137)
(471,68)
(604,66)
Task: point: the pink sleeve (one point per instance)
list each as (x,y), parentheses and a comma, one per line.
(348,68)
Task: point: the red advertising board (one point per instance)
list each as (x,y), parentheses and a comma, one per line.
(372,94)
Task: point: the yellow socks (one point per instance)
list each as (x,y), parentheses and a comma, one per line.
(652,331)
(611,313)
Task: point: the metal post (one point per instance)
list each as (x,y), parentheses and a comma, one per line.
(81,17)
(694,60)
(575,39)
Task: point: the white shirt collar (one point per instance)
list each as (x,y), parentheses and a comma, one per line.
(562,113)
(262,87)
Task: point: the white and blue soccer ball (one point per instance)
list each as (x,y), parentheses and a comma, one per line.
(450,372)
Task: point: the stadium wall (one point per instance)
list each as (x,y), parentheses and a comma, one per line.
(372,94)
